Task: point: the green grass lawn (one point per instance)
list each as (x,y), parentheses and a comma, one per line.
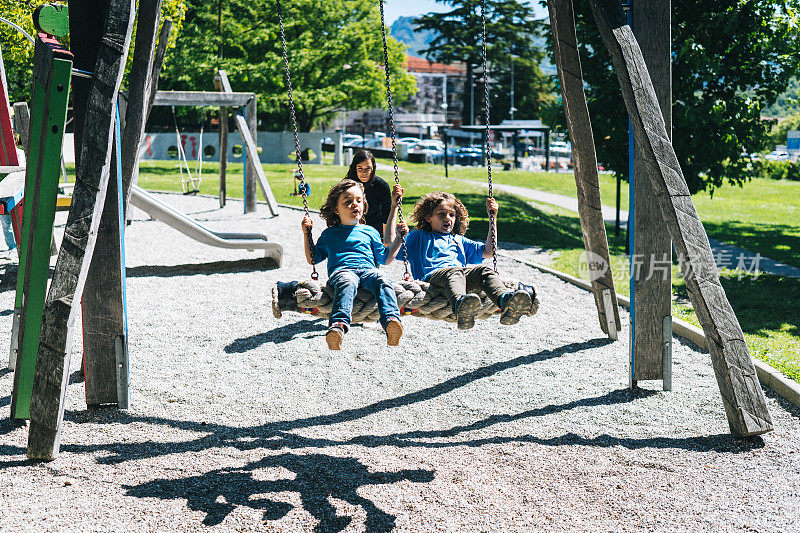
(761,216)
(766,306)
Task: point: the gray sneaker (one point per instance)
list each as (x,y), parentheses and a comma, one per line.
(515,305)
(465,310)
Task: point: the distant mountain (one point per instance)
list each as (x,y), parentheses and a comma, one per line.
(404,31)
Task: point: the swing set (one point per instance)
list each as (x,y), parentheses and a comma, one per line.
(414,297)
(191,183)
(668,200)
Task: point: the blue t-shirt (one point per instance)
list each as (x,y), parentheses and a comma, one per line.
(358,246)
(430,250)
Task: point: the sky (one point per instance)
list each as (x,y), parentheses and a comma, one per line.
(398,8)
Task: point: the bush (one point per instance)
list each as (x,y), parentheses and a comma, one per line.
(776,170)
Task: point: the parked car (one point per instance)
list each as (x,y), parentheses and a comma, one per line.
(374,142)
(433,150)
(409,140)
(346,138)
(777,156)
(466,155)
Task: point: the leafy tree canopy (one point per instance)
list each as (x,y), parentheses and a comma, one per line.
(731,59)
(335,50)
(18,51)
(510,33)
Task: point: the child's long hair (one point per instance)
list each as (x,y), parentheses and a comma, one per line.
(358,158)
(328,209)
(426,205)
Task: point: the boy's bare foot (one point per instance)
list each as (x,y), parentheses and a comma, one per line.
(465,310)
(394,330)
(334,337)
(514,305)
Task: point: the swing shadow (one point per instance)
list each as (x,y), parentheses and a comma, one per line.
(317,479)
(279,434)
(190,269)
(319,476)
(278,335)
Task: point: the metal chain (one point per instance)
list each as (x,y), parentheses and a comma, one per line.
(314,274)
(390,103)
(493,234)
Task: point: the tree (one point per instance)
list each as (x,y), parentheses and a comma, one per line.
(781,129)
(18,51)
(335,49)
(510,36)
(788,103)
(731,59)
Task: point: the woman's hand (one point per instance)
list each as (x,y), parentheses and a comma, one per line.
(307,223)
(397,194)
(491,207)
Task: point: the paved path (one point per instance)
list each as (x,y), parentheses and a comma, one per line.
(726,255)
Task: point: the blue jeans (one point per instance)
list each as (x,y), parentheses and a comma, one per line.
(345,283)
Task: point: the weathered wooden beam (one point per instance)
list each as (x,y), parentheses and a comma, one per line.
(745,405)
(105,339)
(104,317)
(49,100)
(568,63)
(652,247)
(223,146)
(202,98)
(252,152)
(252,160)
(141,80)
(22,120)
(158,62)
(88,200)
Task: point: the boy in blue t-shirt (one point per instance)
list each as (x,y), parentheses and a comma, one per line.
(439,253)
(354,251)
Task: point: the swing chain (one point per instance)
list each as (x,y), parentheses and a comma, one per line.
(314,273)
(390,103)
(493,234)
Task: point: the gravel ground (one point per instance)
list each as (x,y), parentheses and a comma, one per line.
(239,421)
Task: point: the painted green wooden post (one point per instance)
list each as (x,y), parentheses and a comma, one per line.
(52,73)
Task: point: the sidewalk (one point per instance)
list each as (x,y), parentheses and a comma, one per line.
(726,255)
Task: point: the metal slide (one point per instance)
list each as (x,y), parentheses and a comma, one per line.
(177,220)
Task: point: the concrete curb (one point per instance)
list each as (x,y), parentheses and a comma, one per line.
(768,376)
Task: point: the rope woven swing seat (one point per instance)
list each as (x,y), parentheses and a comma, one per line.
(415,298)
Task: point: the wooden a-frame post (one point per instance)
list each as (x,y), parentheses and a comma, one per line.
(650,246)
(568,63)
(105,331)
(742,396)
(51,83)
(88,199)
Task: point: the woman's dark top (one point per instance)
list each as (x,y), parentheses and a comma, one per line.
(379,198)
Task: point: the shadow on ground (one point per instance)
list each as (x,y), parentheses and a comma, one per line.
(776,241)
(318,477)
(278,335)
(190,269)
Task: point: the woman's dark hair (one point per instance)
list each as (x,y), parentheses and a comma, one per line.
(426,205)
(328,209)
(360,157)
